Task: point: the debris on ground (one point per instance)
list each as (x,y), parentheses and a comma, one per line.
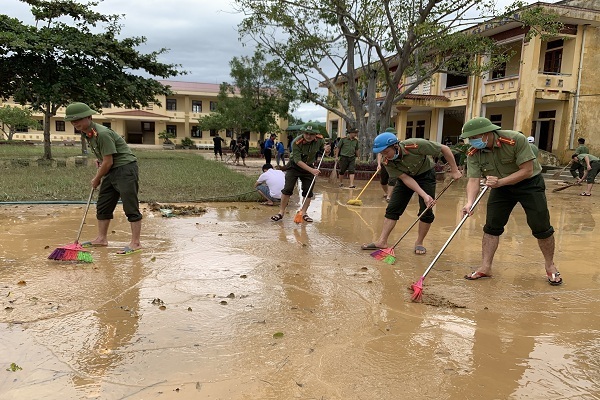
(172,210)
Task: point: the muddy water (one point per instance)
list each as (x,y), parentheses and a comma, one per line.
(230,305)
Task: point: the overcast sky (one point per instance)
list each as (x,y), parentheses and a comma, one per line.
(201,35)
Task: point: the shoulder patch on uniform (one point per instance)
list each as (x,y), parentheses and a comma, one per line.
(472,151)
(319,136)
(300,141)
(506,140)
(411,146)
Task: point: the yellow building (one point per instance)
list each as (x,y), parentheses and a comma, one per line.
(177,113)
(549,89)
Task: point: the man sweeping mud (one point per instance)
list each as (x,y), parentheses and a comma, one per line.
(513,173)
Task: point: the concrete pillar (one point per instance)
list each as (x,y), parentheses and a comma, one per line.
(401,119)
(528,76)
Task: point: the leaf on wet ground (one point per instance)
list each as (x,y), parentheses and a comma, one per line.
(278,335)
(13,368)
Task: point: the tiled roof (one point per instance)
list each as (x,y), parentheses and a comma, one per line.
(136,113)
(191,86)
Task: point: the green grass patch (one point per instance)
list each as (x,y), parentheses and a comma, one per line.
(165,176)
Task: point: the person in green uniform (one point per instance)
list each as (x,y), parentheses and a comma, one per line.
(117,176)
(410,161)
(534,148)
(578,169)
(511,170)
(591,166)
(387,183)
(347,151)
(302,158)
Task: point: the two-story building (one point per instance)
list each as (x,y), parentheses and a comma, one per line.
(550,88)
(177,113)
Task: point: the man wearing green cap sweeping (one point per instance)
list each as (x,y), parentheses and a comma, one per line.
(117,176)
(506,161)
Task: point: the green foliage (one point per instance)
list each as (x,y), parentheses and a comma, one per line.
(166,136)
(187,142)
(12,118)
(75,54)
(261,91)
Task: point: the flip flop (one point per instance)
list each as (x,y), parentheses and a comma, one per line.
(370,246)
(473,276)
(90,244)
(420,248)
(585,194)
(128,251)
(552,277)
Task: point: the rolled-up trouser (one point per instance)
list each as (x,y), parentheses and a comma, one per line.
(531,193)
(384,177)
(120,183)
(593,172)
(292,175)
(401,197)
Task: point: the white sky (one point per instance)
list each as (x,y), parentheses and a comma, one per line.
(201,35)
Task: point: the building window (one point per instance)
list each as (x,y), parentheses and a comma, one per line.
(60,126)
(21,129)
(420,129)
(213,132)
(107,124)
(229,133)
(197,133)
(496,119)
(499,72)
(197,106)
(553,56)
(213,106)
(548,114)
(172,129)
(409,129)
(334,128)
(171,104)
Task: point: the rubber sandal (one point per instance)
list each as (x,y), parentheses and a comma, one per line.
(552,279)
(352,187)
(420,248)
(371,246)
(276,217)
(128,251)
(585,194)
(90,244)
(473,276)
(306,218)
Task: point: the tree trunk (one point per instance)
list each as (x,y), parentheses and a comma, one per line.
(47,144)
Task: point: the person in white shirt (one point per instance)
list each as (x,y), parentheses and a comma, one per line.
(269,184)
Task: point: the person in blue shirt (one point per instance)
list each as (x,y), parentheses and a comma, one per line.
(269,147)
(280,153)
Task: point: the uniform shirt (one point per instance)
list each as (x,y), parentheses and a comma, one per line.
(581,158)
(415,157)
(104,142)
(275,181)
(348,147)
(510,150)
(306,151)
(582,149)
(534,148)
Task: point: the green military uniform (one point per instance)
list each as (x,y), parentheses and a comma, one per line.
(535,149)
(414,159)
(348,151)
(307,153)
(510,150)
(594,163)
(122,181)
(577,170)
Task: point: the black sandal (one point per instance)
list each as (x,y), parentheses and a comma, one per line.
(552,277)
(307,218)
(276,217)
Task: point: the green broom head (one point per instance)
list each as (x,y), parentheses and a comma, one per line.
(389,259)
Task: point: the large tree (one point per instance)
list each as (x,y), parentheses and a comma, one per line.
(13,118)
(358,48)
(261,92)
(75,54)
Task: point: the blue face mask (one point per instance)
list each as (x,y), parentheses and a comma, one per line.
(478,143)
(394,156)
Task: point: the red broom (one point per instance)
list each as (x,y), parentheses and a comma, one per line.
(417,287)
(387,255)
(74,251)
(298,216)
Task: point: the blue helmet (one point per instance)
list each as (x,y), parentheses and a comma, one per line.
(383,141)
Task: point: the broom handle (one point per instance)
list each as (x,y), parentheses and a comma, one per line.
(559,173)
(462,221)
(420,215)
(361,192)
(87,207)
(311,184)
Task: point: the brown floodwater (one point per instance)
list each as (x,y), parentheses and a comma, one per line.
(229,305)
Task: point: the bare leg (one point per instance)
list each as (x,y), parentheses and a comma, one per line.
(388,227)
(351,179)
(589,188)
(305,206)
(547,248)
(136,231)
(423,229)
(389,192)
(285,199)
(489,245)
(102,239)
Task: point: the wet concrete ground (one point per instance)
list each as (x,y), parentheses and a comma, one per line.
(230,305)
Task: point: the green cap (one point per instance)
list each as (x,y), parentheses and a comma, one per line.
(477,126)
(77,111)
(309,128)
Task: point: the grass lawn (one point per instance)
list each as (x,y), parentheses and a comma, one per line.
(165,176)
